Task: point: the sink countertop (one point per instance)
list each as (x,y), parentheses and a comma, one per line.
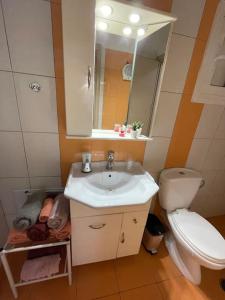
(126,184)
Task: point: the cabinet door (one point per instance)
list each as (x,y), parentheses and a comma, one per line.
(95,238)
(131,233)
(78,20)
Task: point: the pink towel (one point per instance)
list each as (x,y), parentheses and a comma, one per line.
(40,267)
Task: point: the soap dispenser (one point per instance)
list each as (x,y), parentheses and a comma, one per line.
(86,162)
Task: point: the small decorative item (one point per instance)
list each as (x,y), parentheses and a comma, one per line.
(129,128)
(122,131)
(136,129)
(117,127)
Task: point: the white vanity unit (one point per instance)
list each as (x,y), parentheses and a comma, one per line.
(109,209)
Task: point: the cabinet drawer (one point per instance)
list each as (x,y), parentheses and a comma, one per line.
(95,238)
(131,233)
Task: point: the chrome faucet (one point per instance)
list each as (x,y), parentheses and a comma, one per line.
(110,160)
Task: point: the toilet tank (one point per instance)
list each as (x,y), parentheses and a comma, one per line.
(178,187)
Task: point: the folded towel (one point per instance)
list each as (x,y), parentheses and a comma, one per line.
(60,213)
(30,211)
(61,234)
(17,237)
(38,232)
(40,267)
(46,210)
(61,250)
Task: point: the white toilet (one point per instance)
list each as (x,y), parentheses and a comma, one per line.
(192,241)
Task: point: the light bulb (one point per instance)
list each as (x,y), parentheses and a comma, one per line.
(141,32)
(127,31)
(106,10)
(102,26)
(134,18)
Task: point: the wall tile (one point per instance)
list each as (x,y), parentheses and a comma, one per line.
(28,27)
(218,186)
(187,10)
(9,219)
(4,53)
(215,158)
(37,109)
(42,154)
(3,228)
(178,62)
(8,186)
(209,121)
(9,116)
(12,156)
(45,183)
(220,131)
(155,154)
(166,114)
(198,153)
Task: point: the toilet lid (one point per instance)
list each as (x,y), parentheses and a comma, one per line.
(199,234)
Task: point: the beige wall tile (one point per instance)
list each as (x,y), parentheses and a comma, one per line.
(9,115)
(166,114)
(37,109)
(198,153)
(28,27)
(45,183)
(8,186)
(42,150)
(209,121)
(187,10)
(155,154)
(178,61)
(215,158)
(12,155)
(4,54)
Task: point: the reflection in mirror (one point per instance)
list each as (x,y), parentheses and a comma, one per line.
(113,55)
(149,57)
(128,58)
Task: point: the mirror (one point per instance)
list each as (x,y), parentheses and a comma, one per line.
(128,59)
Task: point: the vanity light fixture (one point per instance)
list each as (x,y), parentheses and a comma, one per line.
(106,10)
(134,18)
(140,32)
(127,31)
(102,26)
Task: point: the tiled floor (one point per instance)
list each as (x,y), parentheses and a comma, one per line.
(141,277)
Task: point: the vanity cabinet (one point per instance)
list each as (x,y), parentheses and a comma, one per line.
(78,19)
(104,234)
(131,232)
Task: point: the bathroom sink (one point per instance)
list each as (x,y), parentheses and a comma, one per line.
(126,184)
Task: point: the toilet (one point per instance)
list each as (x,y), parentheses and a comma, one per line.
(192,241)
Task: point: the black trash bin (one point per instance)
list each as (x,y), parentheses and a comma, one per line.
(153,234)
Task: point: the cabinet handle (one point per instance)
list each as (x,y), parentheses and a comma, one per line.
(135,221)
(123,238)
(89,77)
(97,226)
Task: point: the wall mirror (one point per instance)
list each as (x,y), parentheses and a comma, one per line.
(114,56)
(129,53)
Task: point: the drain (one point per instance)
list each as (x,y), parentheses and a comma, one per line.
(222,284)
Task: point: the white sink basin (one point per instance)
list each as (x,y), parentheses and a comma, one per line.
(126,184)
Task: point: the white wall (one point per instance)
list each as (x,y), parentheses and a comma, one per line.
(29,147)
(207,155)
(179,57)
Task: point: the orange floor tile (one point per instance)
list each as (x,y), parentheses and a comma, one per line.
(139,277)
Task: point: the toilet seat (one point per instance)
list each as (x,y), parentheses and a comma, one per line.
(199,234)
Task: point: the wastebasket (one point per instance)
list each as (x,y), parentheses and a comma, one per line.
(153,234)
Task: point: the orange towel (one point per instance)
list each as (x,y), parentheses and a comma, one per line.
(61,234)
(17,237)
(46,210)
